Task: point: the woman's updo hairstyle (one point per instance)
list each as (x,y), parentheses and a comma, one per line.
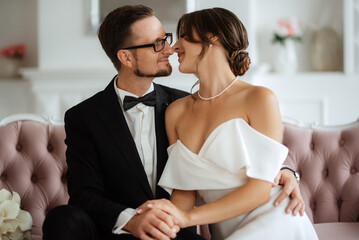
(226,26)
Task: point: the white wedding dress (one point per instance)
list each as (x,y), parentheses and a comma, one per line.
(233,152)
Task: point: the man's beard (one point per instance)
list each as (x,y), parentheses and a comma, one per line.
(160,73)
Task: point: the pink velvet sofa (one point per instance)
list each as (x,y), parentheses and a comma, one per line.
(32,163)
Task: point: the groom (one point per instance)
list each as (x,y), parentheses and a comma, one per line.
(116,142)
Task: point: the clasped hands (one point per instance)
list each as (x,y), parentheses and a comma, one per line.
(152,222)
(160,219)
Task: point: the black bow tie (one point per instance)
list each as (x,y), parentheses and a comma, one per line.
(149,100)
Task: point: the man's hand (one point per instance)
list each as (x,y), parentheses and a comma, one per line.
(153,224)
(291,188)
(182,218)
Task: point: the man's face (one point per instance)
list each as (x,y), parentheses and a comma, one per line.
(149,63)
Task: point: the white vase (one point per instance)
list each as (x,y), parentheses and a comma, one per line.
(286,59)
(9,67)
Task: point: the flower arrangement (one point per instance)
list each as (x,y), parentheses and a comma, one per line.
(287,30)
(15,223)
(14,51)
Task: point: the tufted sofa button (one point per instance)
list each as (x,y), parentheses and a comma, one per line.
(34,178)
(3,177)
(339,203)
(63,178)
(312,206)
(50,148)
(341,143)
(18,147)
(326,172)
(353,171)
(312,146)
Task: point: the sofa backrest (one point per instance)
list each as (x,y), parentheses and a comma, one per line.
(32,163)
(327,160)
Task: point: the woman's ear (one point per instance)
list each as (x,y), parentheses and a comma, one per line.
(125,57)
(212,38)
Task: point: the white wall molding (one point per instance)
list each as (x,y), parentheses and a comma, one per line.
(314,107)
(321,98)
(53,91)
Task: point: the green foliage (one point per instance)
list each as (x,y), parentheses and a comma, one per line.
(281,39)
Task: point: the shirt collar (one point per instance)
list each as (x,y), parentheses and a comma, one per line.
(122,93)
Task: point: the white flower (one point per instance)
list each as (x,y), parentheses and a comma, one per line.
(5,195)
(15,223)
(25,220)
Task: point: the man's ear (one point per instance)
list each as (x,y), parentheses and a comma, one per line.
(125,57)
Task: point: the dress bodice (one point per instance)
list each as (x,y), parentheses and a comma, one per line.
(231,153)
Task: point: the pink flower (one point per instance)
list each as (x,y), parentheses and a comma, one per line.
(287,29)
(287,26)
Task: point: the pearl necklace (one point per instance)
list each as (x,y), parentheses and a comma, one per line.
(219,94)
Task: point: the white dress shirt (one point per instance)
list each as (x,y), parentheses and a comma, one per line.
(141,122)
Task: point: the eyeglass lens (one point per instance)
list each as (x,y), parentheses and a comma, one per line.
(161,43)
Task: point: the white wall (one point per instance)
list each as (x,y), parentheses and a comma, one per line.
(62,34)
(329,99)
(64,55)
(62,38)
(18,24)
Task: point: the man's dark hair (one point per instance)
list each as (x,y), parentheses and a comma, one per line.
(115,30)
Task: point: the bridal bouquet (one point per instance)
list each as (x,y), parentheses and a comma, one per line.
(15,223)
(287,30)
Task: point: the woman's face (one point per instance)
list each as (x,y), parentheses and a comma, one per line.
(188,54)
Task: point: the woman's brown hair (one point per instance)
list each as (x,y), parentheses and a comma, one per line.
(226,26)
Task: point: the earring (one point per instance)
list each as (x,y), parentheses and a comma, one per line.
(210,45)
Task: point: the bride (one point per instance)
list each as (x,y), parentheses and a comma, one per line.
(225,139)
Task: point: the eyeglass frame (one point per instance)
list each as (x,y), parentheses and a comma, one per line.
(154,44)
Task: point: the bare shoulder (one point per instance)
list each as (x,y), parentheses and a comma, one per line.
(259,92)
(178,107)
(260,97)
(263,112)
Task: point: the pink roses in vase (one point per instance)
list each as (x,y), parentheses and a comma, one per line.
(286,33)
(10,60)
(14,51)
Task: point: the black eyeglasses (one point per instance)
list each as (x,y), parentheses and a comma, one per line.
(158,46)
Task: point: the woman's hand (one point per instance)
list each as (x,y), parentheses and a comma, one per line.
(291,188)
(182,218)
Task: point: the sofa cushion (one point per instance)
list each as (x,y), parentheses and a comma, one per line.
(334,231)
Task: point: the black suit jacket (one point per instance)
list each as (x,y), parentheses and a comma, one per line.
(105,173)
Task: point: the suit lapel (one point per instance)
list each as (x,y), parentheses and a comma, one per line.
(162,101)
(112,116)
